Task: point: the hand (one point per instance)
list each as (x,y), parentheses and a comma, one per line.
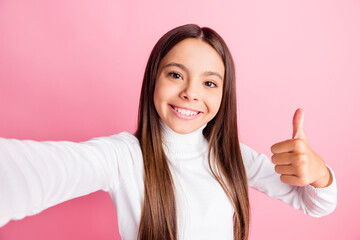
(297,163)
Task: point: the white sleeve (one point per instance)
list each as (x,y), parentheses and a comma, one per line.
(261,175)
(35,175)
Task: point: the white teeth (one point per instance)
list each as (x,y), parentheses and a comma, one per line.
(185,112)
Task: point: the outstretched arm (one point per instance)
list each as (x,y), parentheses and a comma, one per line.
(37,175)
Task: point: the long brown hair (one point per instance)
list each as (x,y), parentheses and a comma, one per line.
(158,216)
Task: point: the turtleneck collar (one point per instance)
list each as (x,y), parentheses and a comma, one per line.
(170,136)
(183,146)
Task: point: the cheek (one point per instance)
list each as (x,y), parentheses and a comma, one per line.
(214,103)
(162,93)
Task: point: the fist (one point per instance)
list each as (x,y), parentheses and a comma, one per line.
(296,162)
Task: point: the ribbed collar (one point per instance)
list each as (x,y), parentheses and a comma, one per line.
(183,146)
(173,137)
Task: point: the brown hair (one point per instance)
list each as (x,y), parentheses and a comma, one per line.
(158,216)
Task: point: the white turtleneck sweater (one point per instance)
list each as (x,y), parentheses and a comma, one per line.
(37,175)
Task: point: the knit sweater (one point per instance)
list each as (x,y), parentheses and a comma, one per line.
(35,175)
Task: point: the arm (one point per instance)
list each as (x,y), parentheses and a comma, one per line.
(261,175)
(37,175)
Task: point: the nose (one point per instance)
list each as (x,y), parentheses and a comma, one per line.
(190,93)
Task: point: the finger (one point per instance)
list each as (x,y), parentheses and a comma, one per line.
(282,158)
(298,124)
(290,179)
(285,169)
(290,145)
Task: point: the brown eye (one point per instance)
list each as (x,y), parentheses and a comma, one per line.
(174,75)
(210,84)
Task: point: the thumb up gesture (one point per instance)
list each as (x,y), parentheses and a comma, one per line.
(297,163)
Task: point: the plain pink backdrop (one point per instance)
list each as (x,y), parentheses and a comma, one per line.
(72,70)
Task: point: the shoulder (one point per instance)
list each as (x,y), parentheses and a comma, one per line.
(247,151)
(251,158)
(128,137)
(120,140)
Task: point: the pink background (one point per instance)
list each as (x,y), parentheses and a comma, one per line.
(72,70)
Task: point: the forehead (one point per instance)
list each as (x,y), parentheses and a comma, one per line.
(197,55)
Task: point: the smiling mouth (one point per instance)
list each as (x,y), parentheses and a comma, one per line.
(185,111)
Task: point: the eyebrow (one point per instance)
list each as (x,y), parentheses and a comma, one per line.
(206,73)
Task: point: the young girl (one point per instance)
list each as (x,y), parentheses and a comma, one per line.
(183,174)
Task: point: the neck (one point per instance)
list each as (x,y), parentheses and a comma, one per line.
(183,145)
(170,135)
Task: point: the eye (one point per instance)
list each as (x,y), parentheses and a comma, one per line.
(174,75)
(210,84)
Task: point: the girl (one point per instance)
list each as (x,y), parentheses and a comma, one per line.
(183,174)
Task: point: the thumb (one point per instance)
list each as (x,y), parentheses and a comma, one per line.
(298,124)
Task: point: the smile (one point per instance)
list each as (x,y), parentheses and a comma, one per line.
(185,113)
